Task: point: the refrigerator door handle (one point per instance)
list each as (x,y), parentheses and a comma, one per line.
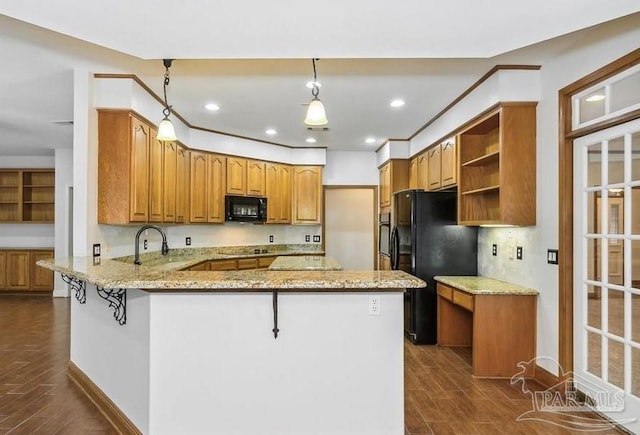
(395,249)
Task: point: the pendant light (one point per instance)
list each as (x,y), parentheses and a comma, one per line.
(316,115)
(166,132)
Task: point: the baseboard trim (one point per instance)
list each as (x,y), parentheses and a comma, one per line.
(62,293)
(545,378)
(111,412)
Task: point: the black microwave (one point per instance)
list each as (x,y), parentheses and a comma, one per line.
(245,209)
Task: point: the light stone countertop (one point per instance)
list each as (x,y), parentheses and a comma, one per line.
(163,278)
(480,285)
(305,262)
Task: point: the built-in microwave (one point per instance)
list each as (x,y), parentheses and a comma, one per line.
(245,209)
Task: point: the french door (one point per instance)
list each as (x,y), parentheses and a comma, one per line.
(607,270)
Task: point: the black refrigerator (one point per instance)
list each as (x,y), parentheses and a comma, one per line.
(425,242)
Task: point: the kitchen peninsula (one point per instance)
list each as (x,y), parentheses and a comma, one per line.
(238,352)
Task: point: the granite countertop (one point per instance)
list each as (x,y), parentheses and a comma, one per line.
(480,285)
(305,262)
(120,274)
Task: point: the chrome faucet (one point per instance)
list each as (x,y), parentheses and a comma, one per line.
(165,247)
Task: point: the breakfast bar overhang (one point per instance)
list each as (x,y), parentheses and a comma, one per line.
(197,353)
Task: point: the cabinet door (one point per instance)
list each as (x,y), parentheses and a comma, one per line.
(156,183)
(17,270)
(285,194)
(307,195)
(413,173)
(434,167)
(274,192)
(385,185)
(255,178)
(139,176)
(169,181)
(41,278)
(215,188)
(423,171)
(198,190)
(449,163)
(384,262)
(3,270)
(236,176)
(183,162)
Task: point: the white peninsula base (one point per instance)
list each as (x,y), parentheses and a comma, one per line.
(207,362)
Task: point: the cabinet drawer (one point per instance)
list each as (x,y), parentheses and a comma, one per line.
(247,263)
(200,266)
(465,300)
(223,265)
(445,291)
(264,262)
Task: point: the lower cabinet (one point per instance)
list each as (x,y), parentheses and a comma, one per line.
(384,262)
(20,273)
(234,264)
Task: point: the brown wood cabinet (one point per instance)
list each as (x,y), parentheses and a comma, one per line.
(255,178)
(207,174)
(236,176)
(394,176)
(500,328)
(307,195)
(169,181)
(234,264)
(278,192)
(449,163)
(384,262)
(27,195)
(156,178)
(435,173)
(19,272)
(423,171)
(497,183)
(183,162)
(413,173)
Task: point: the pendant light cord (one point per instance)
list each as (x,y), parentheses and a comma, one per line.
(314,91)
(167,109)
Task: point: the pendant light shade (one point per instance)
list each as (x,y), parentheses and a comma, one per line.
(166,132)
(316,115)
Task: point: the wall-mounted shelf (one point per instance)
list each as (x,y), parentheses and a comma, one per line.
(27,195)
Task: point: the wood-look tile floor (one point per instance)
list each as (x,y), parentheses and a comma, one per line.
(442,397)
(36,396)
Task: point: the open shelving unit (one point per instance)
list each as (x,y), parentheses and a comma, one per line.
(497,155)
(27,195)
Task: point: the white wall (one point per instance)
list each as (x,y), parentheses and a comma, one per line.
(607,43)
(26,235)
(350,168)
(64,180)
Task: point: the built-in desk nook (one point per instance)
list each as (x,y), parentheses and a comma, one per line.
(497,319)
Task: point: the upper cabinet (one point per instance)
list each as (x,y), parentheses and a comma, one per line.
(27,195)
(245,177)
(278,192)
(207,175)
(423,171)
(413,173)
(448,163)
(497,183)
(182,184)
(434,168)
(394,176)
(307,195)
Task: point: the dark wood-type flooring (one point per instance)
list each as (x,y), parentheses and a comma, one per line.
(36,396)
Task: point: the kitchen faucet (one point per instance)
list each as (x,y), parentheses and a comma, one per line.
(165,247)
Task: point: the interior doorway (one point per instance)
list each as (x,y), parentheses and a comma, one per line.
(350,226)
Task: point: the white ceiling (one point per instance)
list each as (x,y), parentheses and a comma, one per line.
(253,59)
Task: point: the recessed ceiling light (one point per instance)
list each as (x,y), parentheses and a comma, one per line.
(370,140)
(595,97)
(397,103)
(271,131)
(310,84)
(212,107)
(310,140)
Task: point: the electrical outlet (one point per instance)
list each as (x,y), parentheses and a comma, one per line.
(374,305)
(96,249)
(145,245)
(552,256)
(187,241)
(494,249)
(271,238)
(519,253)
(307,238)
(316,239)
